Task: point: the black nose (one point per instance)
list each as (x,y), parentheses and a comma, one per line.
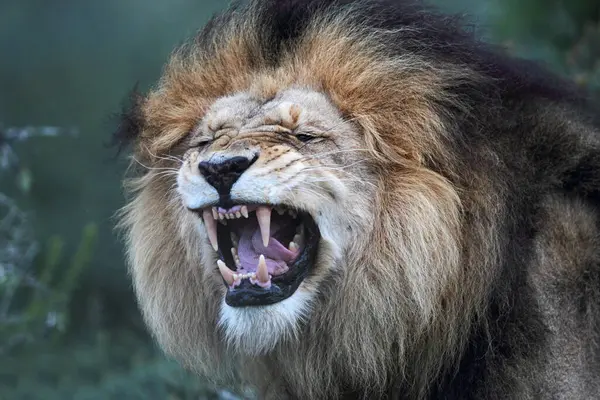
(224,174)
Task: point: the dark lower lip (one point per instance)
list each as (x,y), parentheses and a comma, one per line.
(282,286)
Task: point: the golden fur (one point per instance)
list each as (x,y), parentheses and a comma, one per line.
(395,293)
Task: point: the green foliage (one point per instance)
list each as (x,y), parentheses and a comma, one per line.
(564,34)
(109,365)
(44,307)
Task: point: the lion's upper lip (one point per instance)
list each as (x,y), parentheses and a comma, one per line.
(261,250)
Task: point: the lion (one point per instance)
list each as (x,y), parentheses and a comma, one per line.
(361,199)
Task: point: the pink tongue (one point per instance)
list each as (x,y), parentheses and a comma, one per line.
(250,247)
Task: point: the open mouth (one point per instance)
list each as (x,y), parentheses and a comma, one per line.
(265,251)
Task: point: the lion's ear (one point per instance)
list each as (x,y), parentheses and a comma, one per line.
(129,121)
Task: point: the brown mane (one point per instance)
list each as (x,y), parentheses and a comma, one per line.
(431,265)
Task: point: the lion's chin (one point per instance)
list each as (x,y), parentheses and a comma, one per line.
(258,330)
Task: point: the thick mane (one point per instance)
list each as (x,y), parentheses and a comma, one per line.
(237,46)
(262,35)
(466,145)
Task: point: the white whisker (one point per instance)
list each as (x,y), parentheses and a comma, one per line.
(154,168)
(167,157)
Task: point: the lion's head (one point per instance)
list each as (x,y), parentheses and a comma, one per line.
(298,219)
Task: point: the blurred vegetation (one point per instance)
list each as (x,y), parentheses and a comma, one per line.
(563,34)
(69,325)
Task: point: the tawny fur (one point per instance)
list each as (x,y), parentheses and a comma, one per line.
(396,304)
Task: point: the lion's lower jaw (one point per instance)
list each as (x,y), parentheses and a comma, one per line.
(257,330)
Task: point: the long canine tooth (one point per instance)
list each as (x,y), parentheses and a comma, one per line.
(263,214)
(211,228)
(227,274)
(262,273)
(234,252)
(244,211)
(215,213)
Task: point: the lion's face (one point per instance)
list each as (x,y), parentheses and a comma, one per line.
(280,191)
(296,216)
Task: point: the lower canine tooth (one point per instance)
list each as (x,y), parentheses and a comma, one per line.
(293,246)
(227,274)
(262,272)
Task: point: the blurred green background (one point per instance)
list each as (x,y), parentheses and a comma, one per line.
(69,326)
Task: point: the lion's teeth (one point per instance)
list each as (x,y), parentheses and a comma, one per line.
(244,211)
(238,214)
(211,228)
(248,275)
(227,274)
(234,239)
(263,214)
(215,213)
(235,256)
(262,272)
(293,246)
(299,239)
(221,216)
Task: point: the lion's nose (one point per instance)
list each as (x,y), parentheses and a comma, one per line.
(223,174)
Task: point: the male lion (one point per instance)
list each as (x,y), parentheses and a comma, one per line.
(358,199)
